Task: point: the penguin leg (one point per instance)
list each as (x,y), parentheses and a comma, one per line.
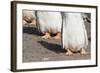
(46,35)
(69,52)
(83,51)
(58,35)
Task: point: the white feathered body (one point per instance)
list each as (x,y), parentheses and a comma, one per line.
(49,21)
(74,31)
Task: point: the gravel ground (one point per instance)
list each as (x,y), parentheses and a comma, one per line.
(36,49)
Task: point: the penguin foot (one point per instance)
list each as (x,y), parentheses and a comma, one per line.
(83,51)
(69,53)
(58,36)
(33,22)
(46,36)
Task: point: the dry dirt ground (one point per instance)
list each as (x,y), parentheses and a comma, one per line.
(36,49)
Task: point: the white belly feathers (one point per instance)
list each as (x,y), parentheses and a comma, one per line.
(49,21)
(74,32)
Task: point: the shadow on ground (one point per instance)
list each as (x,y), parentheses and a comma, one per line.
(52,47)
(31,30)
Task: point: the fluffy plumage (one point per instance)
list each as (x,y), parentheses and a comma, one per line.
(49,21)
(74,31)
